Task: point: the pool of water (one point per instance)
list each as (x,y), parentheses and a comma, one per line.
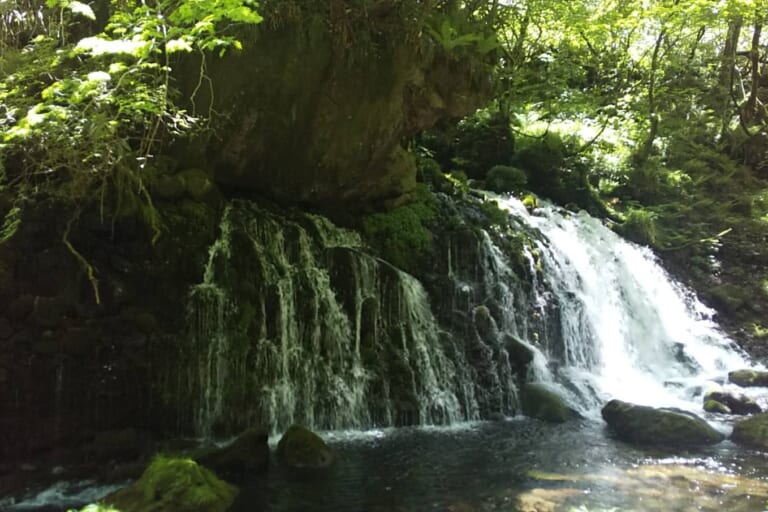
(513,465)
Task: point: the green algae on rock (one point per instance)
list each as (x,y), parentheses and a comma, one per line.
(174,485)
(752,432)
(663,426)
(748,378)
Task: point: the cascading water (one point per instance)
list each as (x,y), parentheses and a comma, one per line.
(297,322)
(628,331)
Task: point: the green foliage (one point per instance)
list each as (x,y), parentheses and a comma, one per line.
(639,226)
(503,178)
(402,235)
(473,145)
(82,121)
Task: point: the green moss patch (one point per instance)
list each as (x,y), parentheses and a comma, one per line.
(174,485)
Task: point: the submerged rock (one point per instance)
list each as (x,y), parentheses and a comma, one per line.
(301,448)
(544,404)
(658,426)
(737,404)
(749,378)
(752,432)
(174,485)
(249,453)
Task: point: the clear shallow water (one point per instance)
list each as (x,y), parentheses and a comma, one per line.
(513,465)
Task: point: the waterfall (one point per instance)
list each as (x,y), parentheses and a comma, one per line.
(629,331)
(297,321)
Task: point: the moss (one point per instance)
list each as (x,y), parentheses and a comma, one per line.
(402,235)
(752,432)
(716,407)
(175,485)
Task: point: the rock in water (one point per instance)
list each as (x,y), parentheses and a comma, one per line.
(303,449)
(738,404)
(544,404)
(249,453)
(752,432)
(749,378)
(716,407)
(174,485)
(658,426)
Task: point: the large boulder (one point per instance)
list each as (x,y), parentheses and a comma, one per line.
(249,453)
(331,134)
(738,404)
(303,449)
(752,432)
(174,485)
(544,404)
(658,426)
(749,378)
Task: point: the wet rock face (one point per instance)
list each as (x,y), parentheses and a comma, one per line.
(662,426)
(542,403)
(736,404)
(315,124)
(81,371)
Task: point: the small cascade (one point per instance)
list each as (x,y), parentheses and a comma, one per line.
(627,330)
(296,322)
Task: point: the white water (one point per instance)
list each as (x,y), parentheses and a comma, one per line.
(629,330)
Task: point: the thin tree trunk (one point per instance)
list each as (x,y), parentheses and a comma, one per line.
(750,108)
(728,73)
(645,149)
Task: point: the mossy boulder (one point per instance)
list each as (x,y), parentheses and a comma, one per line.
(174,485)
(544,404)
(303,449)
(249,453)
(749,378)
(716,407)
(658,426)
(737,404)
(752,432)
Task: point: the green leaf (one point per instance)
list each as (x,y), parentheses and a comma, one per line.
(177,45)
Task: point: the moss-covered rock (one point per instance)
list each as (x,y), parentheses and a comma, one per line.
(249,453)
(716,407)
(174,485)
(737,404)
(301,448)
(752,432)
(663,426)
(544,404)
(749,378)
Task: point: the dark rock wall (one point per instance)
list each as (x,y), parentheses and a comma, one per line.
(70,367)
